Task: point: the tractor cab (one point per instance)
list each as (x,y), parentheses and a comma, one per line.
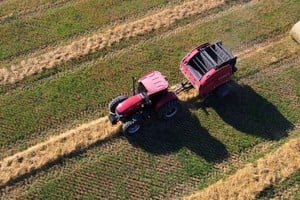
(151,86)
(152,83)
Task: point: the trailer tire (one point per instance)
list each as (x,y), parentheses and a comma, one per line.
(169,110)
(115,102)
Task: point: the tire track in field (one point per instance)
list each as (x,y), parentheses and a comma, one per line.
(247,182)
(96,42)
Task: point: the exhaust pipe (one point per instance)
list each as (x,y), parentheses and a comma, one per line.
(133,84)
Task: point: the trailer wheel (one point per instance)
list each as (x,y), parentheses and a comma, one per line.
(169,110)
(132,127)
(114,103)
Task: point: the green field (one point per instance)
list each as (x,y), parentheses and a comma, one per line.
(66,21)
(206,142)
(88,89)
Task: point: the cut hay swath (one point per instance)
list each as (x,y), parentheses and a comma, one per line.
(97,42)
(52,149)
(43,153)
(247,182)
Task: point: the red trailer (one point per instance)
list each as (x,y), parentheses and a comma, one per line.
(208,68)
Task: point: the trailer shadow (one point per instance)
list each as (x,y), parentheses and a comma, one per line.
(185,131)
(248,112)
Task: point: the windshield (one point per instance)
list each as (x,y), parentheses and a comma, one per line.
(141,88)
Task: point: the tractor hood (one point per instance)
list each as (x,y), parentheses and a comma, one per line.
(130,105)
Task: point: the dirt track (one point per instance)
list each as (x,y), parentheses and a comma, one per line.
(247,182)
(96,42)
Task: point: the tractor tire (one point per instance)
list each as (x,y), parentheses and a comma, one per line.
(169,110)
(131,128)
(115,102)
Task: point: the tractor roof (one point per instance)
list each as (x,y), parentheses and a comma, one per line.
(154,82)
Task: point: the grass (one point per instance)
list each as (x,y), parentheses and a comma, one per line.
(11,9)
(87,90)
(63,22)
(197,142)
(162,159)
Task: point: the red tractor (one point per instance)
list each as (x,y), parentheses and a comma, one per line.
(151,97)
(209,68)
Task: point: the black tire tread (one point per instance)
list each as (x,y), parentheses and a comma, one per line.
(161,113)
(114,103)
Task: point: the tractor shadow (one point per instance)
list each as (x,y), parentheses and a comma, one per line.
(248,112)
(165,137)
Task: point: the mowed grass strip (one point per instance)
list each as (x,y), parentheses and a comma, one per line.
(43,153)
(56,24)
(247,182)
(187,148)
(67,98)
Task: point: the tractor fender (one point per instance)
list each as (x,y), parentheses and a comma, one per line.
(169,97)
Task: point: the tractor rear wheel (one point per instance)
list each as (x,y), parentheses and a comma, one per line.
(114,103)
(168,110)
(130,128)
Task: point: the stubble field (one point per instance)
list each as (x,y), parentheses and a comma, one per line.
(62,61)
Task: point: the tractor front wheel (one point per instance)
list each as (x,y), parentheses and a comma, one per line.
(130,128)
(168,110)
(114,103)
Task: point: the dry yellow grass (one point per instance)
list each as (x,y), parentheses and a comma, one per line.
(295,32)
(97,42)
(43,153)
(247,182)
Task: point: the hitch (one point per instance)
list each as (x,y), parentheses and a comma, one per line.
(183,86)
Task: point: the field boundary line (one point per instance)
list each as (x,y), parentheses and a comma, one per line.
(247,182)
(97,42)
